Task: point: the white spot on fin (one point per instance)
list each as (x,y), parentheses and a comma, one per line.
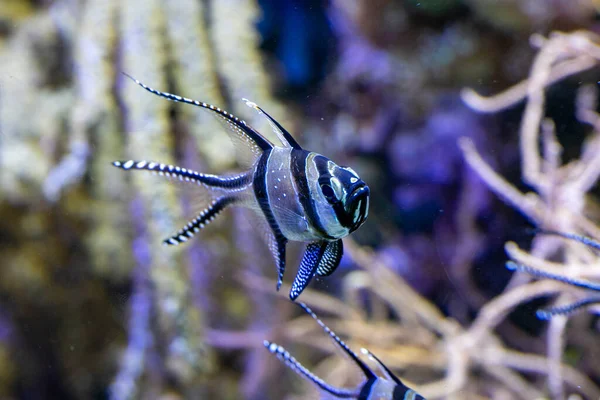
(250,104)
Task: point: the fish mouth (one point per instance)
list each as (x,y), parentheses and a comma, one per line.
(357,206)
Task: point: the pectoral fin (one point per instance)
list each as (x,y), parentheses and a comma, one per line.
(308,267)
(331,259)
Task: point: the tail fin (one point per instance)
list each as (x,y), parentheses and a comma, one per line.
(203,219)
(187,175)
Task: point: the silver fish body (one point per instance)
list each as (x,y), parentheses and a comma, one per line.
(296,197)
(303,196)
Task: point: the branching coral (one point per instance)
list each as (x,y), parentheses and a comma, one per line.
(562,198)
(67,214)
(425,345)
(75,232)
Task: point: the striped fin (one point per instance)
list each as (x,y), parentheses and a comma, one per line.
(401,392)
(308,267)
(331,259)
(286,138)
(369,374)
(301,370)
(203,219)
(578,238)
(560,310)
(567,309)
(547,275)
(238,127)
(186,175)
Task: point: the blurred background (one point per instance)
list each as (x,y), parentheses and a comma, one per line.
(92,306)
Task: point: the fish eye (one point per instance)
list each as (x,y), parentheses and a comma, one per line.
(328,192)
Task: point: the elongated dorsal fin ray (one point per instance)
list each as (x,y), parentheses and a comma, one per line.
(588,241)
(568,309)
(239,127)
(284,136)
(547,275)
(369,374)
(301,370)
(203,219)
(382,367)
(235,182)
(401,391)
(308,267)
(331,258)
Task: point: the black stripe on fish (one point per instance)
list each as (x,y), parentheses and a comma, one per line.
(203,219)
(331,258)
(298,167)
(239,125)
(365,391)
(187,175)
(322,164)
(402,392)
(279,241)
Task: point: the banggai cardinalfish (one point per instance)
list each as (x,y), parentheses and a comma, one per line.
(303,195)
(374,387)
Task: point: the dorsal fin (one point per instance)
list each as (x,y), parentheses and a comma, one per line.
(237,126)
(382,367)
(286,138)
(369,374)
(401,391)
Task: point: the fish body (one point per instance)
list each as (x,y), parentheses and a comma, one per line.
(375,387)
(291,186)
(302,195)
